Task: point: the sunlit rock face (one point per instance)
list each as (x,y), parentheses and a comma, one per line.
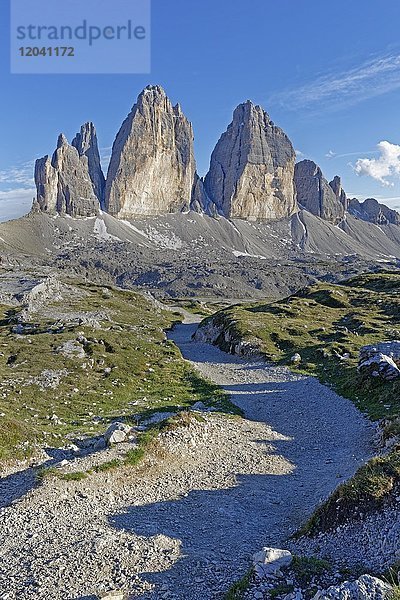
(152,169)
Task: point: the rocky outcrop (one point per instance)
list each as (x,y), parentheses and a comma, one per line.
(372,211)
(380,360)
(152,169)
(63,183)
(336,185)
(86,143)
(316,195)
(201,203)
(46,180)
(252,167)
(269,561)
(364,588)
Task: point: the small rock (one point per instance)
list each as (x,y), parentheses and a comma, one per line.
(117,433)
(270,560)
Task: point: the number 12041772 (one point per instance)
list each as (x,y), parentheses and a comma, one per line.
(50,51)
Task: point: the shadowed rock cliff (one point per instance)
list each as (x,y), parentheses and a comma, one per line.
(252,167)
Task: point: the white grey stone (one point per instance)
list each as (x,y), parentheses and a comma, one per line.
(270,560)
(364,588)
(379,365)
(296,358)
(152,169)
(117,433)
(113,595)
(315,194)
(252,168)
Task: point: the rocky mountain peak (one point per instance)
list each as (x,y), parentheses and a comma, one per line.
(316,195)
(86,143)
(336,185)
(63,183)
(374,212)
(62,141)
(252,167)
(152,169)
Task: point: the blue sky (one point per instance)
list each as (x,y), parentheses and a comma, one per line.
(327,72)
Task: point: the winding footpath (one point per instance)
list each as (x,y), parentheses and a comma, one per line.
(185,526)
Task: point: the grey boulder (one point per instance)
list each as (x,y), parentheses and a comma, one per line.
(364,588)
(380,360)
(117,433)
(269,561)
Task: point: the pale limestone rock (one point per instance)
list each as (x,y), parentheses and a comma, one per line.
(117,433)
(372,211)
(86,143)
(252,167)
(270,560)
(63,184)
(46,179)
(336,185)
(315,194)
(200,200)
(152,169)
(364,588)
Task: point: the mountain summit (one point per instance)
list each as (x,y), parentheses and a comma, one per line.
(252,168)
(152,169)
(152,172)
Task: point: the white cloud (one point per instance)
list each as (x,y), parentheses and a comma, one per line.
(337,90)
(386,165)
(16,190)
(15,203)
(21,174)
(332,154)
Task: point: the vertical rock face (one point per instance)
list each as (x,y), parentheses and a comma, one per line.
(315,194)
(86,143)
(46,180)
(252,167)
(336,185)
(372,211)
(152,169)
(63,184)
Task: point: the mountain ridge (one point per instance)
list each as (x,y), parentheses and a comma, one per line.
(152,171)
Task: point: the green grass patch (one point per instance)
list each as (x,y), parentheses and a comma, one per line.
(306,568)
(74,476)
(239,588)
(323,323)
(282,589)
(128,368)
(327,324)
(45,472)
(107,466)
(365,492)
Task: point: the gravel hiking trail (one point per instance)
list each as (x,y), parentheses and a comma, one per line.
(184,526)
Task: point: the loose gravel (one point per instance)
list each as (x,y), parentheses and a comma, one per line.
(184,524)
